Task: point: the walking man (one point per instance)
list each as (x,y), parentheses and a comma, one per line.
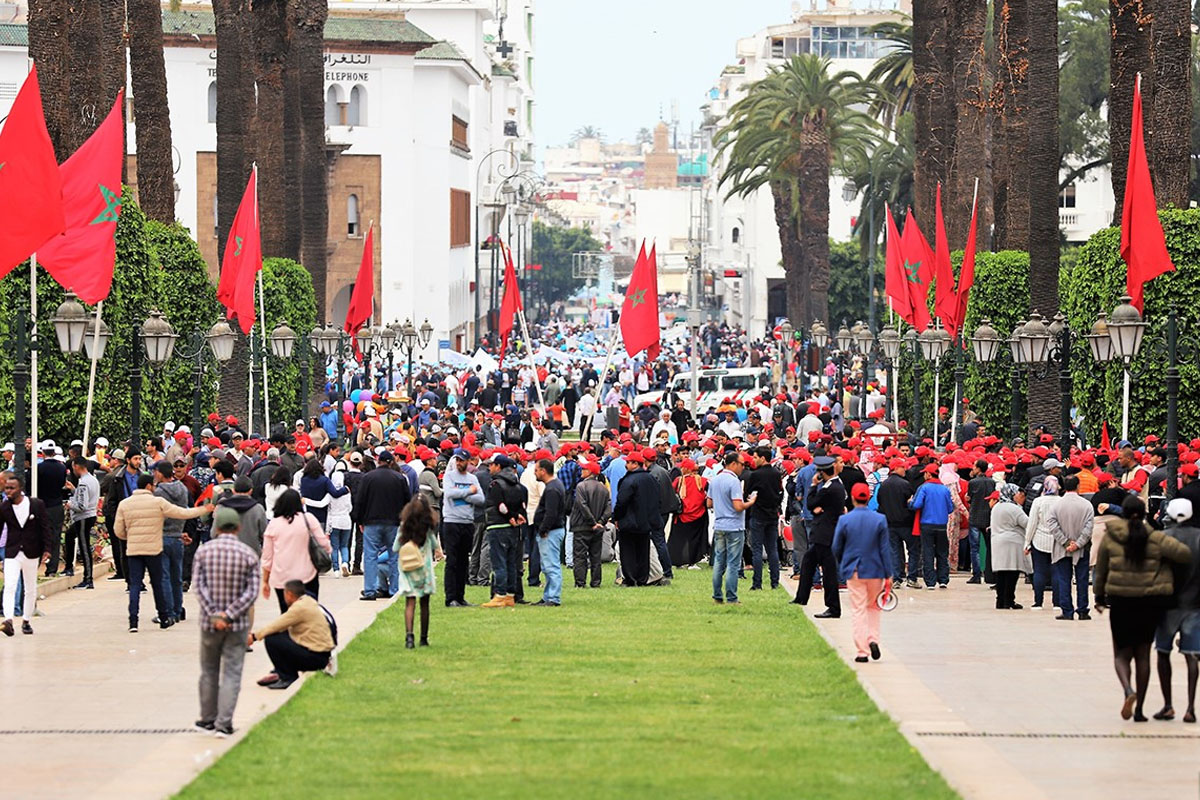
(729,527)
(27,537)
(864,554)
(226,580)
(827,501)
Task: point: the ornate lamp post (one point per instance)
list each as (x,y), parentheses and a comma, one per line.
(844,340)
(818,334)
(890,343)
(412,339)
(217,340)
(1041,347)
(1125,330)
(912,342)
(785,345)
(934,344)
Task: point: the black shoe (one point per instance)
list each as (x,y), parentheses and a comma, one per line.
(154,620)
(368,596)
(540,603)
(204,727)
(6,627)
(356,571)
(975,579)
(182,615)
(224,731)
(1069,617)
(874,650)
(424,642)
(409,644)
(535,583)
(1084,615)
(166,623)
(280,684)
(115,578)
(860,659)
(521,602)
(1016,606)
(26,628)
(85,584)
(1036,605)
(187,586)
(67,573)
(581,586)
(756,588)
(827,614)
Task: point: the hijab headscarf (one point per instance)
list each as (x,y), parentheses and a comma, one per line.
(1050,485)
(1008,492)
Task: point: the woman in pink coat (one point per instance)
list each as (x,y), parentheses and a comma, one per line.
(285,548)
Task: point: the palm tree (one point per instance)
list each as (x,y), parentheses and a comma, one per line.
(1010,135)
(789,131)
(50,50)
(1129,54)
(1170,146)
(308,29)
(587,132)
(933,101)
(885,179)
(148,71)
(893,72)
(269,35)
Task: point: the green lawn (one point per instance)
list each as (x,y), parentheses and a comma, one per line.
(651,692)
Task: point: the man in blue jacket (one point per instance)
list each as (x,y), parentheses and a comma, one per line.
(935,503)
(862,547)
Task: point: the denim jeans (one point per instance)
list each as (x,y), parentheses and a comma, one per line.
(898,540)
(172,576)
(658,538)
(506,560)
(138,567)
(974,535)
(529,538)
(340,539)
(726,558)
(935,546)
(568,549)
(549,546)
(1042,569)
(1063,570)
(377,544)
(764,534)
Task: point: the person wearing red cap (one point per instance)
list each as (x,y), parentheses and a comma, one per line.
(689,530)
(637,512)
(591,510)
(935,503)
(864,554)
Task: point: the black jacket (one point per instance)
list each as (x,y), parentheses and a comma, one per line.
(668,501)
(34,538)
(849,476)
(831,499)
(260,476)
(767,481)
(505,490)
(382,495)
(978,490)
(552,508)
(639,504)
(892,498)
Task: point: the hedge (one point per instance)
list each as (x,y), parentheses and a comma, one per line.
(288,297)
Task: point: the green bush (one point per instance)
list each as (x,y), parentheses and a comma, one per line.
(288,297)
(1001,295)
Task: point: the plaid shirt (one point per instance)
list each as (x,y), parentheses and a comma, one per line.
(569,474)
(226,579)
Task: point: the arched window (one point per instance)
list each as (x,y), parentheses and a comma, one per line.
(212,102)
(356,112)
(736,236)
(333,114)
(352,224)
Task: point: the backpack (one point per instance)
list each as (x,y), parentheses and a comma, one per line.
(873,503)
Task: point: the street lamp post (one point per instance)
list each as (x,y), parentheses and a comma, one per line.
(913,343)
(844,340)
(890,343)
(785,344)
(284,343)
(987,344)
(819,335)
(217,340)
(934,344)
(1041,347)
(864,343)
(333,343)
(1125,329)
(411,339)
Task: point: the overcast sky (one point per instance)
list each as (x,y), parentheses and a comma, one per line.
(614,63)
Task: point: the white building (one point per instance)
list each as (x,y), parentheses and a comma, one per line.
(416,95)
(742,242)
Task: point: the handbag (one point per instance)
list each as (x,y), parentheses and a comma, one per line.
(410,557)
(321,561)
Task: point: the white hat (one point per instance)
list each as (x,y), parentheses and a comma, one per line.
(48,446)
(8,446)
(168,426)
(101,441)
(1180,509)
(184,429)
(77,443)
(530,447)
(452,431)
(300,422)
(369,411)
(435,428)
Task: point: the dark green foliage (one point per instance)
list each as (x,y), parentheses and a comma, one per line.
(1001,294)
(552,247)
(288,297)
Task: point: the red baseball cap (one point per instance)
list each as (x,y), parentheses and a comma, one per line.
(860,492)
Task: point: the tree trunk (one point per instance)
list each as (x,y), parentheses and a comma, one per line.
(270,53)
(970,130)
(1042,166)
(88,105)
(812,180)
(292,144)
(49,48)
(155,165)
(1171,113)
(1129,54)
(1010,140)
(309,31)
(112,64)
(933,102)
(790,251)
(235,109)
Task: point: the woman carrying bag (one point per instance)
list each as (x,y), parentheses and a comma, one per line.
(286,550)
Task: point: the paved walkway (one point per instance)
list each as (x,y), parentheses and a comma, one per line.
(91,710)
(1017,704)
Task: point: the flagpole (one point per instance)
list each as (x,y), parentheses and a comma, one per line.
(937,394)
(961,339)
(262,329)
(91,396)
(612,341)
(33,377)
(250,387)
(529,346)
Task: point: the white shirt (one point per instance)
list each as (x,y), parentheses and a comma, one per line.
(21,510)
(731,428)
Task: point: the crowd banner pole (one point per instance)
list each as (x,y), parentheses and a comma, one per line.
(937,394)
(250,386)
(262,329)
(529,346)
(612,340)
(33,378)
(91,396)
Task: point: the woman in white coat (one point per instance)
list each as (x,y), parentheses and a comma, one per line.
(1009,523)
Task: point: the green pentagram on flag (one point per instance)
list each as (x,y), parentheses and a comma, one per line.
(112,206)
(639,297)
(238,251)
(912,269)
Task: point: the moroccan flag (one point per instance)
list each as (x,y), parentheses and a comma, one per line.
(82,258)
(1105,441)
(946,300)
(966,274)
(895,277)
(510,305)
(639,312)
(1143,245)
(918,269)
(243,259)
(362,299)
(31,191)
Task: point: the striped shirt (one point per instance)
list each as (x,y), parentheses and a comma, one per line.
(226,579)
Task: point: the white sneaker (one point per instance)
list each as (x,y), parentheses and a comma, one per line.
(345,570)
(332,667)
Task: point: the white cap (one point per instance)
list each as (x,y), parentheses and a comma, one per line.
(48,446)
(435,428)
(77,443)
(369,411)
(300,422)
(425,402)
(168,426)
(530,447)
(452,431)
(1180,509)
(8,446)
(184,429)
(101,441)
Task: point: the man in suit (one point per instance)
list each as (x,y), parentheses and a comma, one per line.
(637,512)
(27,539)
(827,501)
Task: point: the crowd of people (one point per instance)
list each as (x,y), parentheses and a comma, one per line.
(476,469)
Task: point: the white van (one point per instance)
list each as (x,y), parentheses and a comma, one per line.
(716,386)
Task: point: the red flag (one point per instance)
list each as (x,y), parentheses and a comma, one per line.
(82,258)
(966,274)
(918,268)
(31,192)
(1105,441)
(243,259)
(510,304)
(946,300)
(639,312)
(362,299)
(895,277)
(1143,245)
